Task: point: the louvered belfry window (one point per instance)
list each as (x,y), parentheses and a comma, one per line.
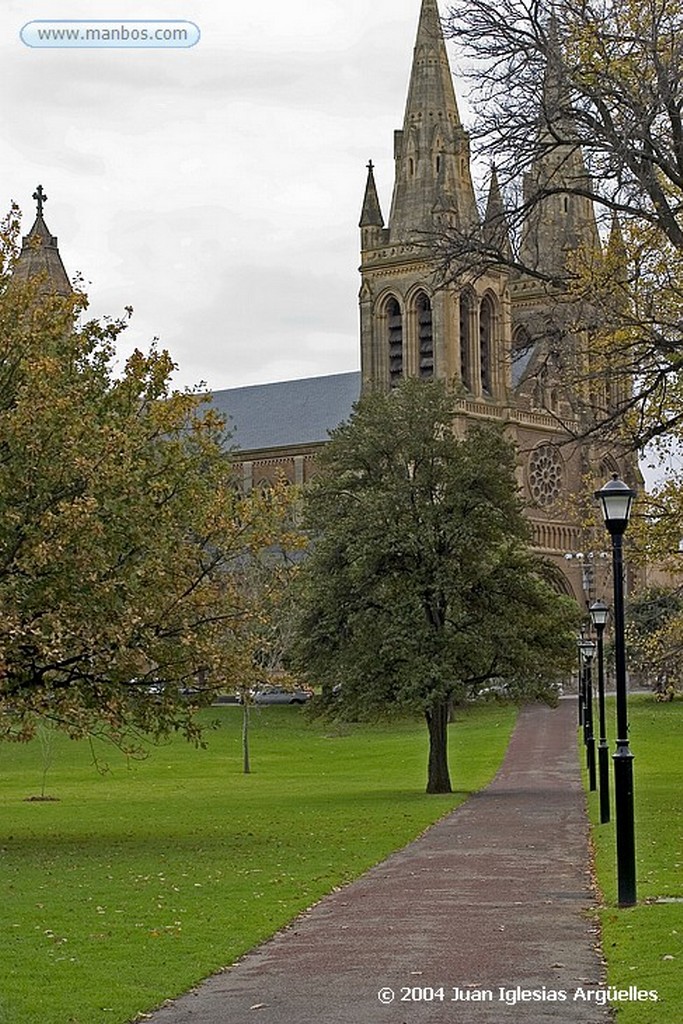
(425,335)
(465,358)
(395,332)
(485,339)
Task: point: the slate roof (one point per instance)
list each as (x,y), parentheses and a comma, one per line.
(288,412)
(520,364)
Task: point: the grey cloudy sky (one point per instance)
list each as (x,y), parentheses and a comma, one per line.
(216,189)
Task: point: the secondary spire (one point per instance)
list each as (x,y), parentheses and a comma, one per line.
(39,256)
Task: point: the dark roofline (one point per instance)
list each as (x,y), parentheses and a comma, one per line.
(287,414)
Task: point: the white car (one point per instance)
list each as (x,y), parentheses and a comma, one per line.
(280,695)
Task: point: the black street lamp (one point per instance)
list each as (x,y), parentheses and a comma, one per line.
(587,649)
(583,716)
(599,612)
(580,691)
(616,499)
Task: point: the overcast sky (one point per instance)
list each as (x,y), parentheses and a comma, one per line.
(215,189)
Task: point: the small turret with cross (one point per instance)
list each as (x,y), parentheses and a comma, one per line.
(40,199)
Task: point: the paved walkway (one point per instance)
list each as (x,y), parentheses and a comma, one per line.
(491,898)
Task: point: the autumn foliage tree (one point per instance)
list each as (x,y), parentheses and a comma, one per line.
(598,82)
(420,587)
(653,636)
(121,529)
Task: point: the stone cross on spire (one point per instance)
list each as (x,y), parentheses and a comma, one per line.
(40,199)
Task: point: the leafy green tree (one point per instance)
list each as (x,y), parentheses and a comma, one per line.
(121,530)
(420,587)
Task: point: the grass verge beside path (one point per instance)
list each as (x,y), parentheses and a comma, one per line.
(643,945)
(133,885)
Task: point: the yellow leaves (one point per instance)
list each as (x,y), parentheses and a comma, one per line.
(10,235)
(658,530)
(627,45)
(122,538)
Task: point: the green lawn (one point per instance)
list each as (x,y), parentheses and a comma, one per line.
(643,944)
(134,884)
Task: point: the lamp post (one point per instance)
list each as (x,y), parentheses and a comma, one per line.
(587,648)
(583,714)
(588,560)
(599,612)
(580,689)
(616,499)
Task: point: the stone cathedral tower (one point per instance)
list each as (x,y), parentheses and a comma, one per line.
(491,336)
(408,327)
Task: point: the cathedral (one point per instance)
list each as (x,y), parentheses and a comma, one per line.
(486,336)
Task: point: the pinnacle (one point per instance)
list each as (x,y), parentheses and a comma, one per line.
(371,214)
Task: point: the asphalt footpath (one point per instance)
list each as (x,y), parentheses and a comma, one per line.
(482,920)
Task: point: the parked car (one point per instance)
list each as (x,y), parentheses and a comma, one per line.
(280,695)
(226,698)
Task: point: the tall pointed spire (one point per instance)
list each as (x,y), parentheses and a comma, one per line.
(39,256)
(431,151)
(430,92)
(554,91)
(560,220)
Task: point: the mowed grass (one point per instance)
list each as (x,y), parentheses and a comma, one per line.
(644,944)
(134,884)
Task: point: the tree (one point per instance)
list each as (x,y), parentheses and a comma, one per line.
(653,635)
(121,530)
(606,129)
(267,578)
(420,586)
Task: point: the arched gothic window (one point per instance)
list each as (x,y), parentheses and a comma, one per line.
(395,341)
(423,308)
(485,342)
(465,338)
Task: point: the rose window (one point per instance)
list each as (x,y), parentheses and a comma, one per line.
(546,474)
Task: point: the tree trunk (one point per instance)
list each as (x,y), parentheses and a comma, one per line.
(246,765)
(438,778)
